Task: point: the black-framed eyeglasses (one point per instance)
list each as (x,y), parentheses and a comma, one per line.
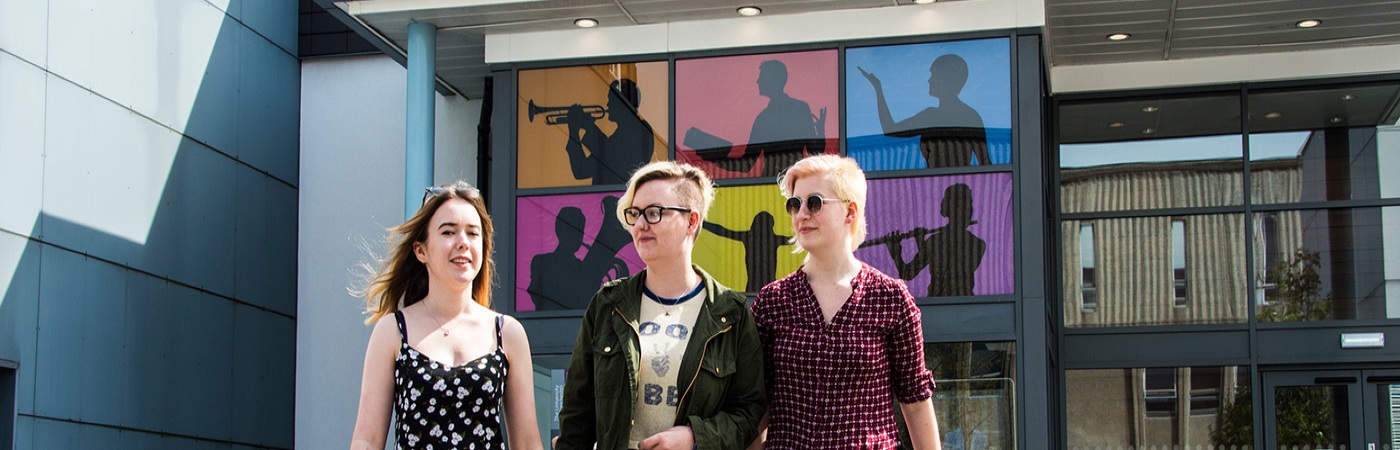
(651,213)
(431,191)
(814,204)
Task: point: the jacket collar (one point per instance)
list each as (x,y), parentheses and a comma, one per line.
(628,294)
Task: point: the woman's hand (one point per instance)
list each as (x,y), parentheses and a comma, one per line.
(674,438)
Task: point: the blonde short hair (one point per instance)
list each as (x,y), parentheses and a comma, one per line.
(846,178)
(697,194)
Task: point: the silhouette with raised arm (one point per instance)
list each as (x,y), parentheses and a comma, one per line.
(950,134)
(610,159)
(760,248)
(784,132)
(951,253)
(560,280)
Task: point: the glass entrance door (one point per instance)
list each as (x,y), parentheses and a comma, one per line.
(1332,410)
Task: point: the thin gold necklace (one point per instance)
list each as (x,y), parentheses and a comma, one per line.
(442,326)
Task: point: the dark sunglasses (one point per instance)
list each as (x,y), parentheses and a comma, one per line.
(432,191)
(814,204)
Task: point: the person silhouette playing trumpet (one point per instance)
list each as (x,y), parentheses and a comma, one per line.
(610,159)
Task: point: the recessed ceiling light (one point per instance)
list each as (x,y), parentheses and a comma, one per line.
(1273,115)
(1116,124)
(1347,97)
(586,23)
(1336,120)
(923,2)
(1308,23)
(1148,130)
(1149,109)
(749,11)
(1119,36)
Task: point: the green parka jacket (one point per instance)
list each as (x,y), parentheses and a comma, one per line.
(722,396)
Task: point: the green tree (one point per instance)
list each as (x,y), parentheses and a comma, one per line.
(1297,297)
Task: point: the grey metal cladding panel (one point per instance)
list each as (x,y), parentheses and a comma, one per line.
(19,315)
(993,320)
(214,112)
(176,383)
(24,432)
(265,257)
(81,311)
(1156,349)
(551,335)
(1098,40)
(1100,8)
(1139,20)
(269,116)
(264,377)
(1282,346)
(191,238)
(274,19)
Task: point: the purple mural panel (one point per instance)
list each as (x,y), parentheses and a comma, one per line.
(945,235)
(567,246)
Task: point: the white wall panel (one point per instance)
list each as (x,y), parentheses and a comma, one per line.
(909,20)
(454,143)
(275,20)
(85,323)
(267,107)
(1232,69)
(148,55)
(24,28)
(106,167)
(21,145)
(19,312)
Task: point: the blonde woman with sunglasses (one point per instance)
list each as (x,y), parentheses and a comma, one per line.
(843,341)
(440,361)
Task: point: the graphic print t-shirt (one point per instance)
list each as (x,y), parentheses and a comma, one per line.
(663,342)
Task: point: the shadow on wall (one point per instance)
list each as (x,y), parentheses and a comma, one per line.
(187,339)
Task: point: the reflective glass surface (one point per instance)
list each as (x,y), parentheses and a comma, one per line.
(1170,407)
(1150,153)
(1155,271)
(1324,144)
(1327,264)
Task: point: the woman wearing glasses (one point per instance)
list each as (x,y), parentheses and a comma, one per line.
(439,359)
(667,359)
(843,341)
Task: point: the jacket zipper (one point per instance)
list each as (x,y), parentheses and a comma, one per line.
(636,371)
(698,369)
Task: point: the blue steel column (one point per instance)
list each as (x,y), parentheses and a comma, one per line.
(418,150)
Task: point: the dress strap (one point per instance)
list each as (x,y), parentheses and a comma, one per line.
(403,329)
(500,319)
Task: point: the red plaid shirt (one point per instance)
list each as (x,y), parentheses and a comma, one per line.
(833,386)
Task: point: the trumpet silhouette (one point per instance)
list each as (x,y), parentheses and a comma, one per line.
(554,115)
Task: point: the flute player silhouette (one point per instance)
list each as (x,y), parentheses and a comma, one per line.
(784,132)
(951,253)
(950,134)
(760,248)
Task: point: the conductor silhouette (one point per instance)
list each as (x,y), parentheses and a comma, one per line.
(950,134)
(610,159)
(760,248)
(782,133)
(951,253)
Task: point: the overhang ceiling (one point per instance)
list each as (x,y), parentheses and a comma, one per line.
(1076,30)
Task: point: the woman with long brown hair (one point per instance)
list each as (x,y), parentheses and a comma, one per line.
(439,359)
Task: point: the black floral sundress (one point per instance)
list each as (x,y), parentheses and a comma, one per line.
(440,408)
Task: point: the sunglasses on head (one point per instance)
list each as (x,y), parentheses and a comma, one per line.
(814,204)
(432,191)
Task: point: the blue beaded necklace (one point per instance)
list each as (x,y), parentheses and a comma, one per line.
(673,301)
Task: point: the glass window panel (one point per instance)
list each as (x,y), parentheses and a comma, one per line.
(1333,265)
(1150,153)
(1137,281)
(1308,145)
(549,393)
(1088,289)
(1311,417)
(1141,408)
(975,400)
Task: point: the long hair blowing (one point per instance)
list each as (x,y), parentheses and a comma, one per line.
(402,280)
